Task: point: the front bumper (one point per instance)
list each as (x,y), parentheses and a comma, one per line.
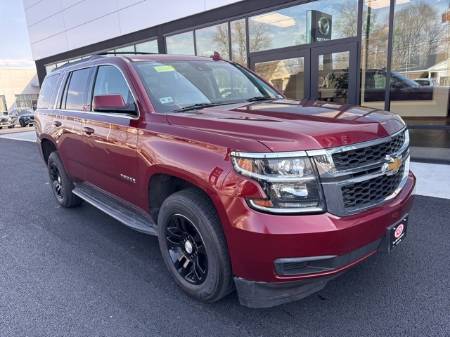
(259,242)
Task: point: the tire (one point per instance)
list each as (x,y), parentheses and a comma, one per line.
(60,182)
(192,205)
(22,123)
(11,127)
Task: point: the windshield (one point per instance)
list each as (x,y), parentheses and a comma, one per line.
(406,81)
(181,85)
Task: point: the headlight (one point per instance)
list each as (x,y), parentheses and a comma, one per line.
(290,182)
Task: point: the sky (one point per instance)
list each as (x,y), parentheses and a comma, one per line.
(15,48)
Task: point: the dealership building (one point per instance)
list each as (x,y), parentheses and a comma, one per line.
(384,54)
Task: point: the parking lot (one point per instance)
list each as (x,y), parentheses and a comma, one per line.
(78,272)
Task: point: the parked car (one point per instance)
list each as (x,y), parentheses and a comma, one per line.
(7,121)
(426,82)
(244,189)
(26,119)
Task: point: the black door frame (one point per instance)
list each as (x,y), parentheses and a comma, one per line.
(309,52)
(290,53)
(352,48)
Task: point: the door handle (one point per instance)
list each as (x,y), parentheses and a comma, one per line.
(87,130)
(57,123)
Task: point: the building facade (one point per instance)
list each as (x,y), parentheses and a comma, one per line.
(387,54)
(19,89)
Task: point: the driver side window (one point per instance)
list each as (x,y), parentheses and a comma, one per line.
(110,81)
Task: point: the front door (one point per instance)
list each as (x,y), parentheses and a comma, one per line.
(111,158)
(326,72)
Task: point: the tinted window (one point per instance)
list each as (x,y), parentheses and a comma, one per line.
(175,85)
(110,81)
(77,92)
(48,92)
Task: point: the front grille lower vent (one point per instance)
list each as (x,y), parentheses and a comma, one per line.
(372,191)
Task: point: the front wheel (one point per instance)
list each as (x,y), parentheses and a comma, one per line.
(193,246)
(60,182)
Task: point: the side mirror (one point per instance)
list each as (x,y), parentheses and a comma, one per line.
(114,103)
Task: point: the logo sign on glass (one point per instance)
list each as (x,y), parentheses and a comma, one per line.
(319,26)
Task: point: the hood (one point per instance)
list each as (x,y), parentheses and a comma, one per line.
(287,125)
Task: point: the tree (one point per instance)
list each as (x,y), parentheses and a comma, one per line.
(417,33)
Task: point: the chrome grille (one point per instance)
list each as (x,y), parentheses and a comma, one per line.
(367,155)
(355,177)
(365,193)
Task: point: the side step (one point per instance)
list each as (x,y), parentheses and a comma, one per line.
(119,210)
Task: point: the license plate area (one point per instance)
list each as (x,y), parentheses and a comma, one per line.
(397,233)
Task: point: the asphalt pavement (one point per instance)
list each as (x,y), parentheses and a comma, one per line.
(78,272)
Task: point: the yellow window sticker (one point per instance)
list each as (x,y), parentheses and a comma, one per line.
(161,69)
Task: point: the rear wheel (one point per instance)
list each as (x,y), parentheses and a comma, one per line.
(193,245)
(22,123)
(60,182)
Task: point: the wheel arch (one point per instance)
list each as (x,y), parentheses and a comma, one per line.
(164,181)
(47,147)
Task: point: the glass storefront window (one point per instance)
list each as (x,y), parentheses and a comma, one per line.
(181,44)
(375,33)
(334,77)
(420,52)
(126,49)
(311,22)
(287,75)
(419,90)
(239,42)
(211,39)
(147,47)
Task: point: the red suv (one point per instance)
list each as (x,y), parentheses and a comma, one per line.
(244,188)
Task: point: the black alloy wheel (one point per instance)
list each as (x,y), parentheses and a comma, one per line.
(55,179)
(186,249)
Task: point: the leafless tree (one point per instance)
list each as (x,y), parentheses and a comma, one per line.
(259,39)
(417,33)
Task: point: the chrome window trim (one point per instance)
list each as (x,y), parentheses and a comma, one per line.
(115,114)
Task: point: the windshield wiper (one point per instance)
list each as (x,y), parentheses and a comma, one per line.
(260,98)
(196,106)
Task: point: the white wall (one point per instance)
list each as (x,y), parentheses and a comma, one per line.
(56,26)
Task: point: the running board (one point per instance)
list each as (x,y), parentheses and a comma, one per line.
(117,209)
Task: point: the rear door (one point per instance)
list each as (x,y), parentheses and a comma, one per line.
(73,104)
(111,155)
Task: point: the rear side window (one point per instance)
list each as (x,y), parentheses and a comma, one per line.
(48,93)
(110,81)
(77,91)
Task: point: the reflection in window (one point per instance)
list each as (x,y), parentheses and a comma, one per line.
(211,39)
(147,47)
(334,77)
(420,51)
(181,44)
(126,49)
(239,42)
(315,21)
(374,53)
(288,76)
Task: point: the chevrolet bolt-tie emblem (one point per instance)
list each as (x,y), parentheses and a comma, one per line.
(392,165)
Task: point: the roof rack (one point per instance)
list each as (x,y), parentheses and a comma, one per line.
(105,53)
